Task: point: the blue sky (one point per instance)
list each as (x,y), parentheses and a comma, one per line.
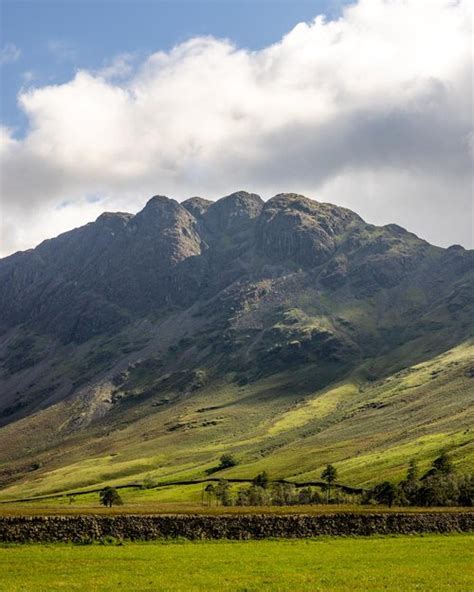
(370,108)
(56,38)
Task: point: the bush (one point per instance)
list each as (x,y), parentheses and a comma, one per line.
(227,461)
(148,482)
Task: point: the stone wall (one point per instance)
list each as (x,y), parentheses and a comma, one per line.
(23,529)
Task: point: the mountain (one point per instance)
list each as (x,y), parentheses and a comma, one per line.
(288,332)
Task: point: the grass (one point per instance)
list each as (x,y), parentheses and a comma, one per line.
(437,562)
(314,408)
(281,424)
(135,504)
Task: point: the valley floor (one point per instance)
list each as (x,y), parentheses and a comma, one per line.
(90,506)
(435,562)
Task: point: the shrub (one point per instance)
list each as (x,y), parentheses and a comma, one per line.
(227,461)
(148,482)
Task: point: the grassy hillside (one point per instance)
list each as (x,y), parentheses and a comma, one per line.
(281,424)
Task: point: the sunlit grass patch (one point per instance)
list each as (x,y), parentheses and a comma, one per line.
(441,563)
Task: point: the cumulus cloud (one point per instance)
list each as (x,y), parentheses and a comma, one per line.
(372,111)
(9,53)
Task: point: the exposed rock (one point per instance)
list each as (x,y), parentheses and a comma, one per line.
(197,206)
(233,212)
(179,294)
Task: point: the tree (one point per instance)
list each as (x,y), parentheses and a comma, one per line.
(412,472)
(109,496)
(258,496)
(227,461)
(466,490)
(329,475)
(410,486)
(385,493)
(283,494)
(261,480)
(443,465)
(209,490)
(316,498)
(242,497)
(222,492)
(305,495)
(439,490)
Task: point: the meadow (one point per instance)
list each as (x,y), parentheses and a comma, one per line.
(434,562)
(89,505)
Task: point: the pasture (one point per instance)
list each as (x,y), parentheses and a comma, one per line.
(434,562)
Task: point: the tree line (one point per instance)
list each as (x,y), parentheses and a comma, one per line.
(264,492)
(441,485)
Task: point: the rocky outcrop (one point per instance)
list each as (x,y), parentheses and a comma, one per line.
(234,212)
(299,229)
(197,206)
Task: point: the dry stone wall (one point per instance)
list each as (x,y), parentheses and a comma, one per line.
(77,529)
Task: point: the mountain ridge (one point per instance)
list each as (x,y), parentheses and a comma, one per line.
(133,316)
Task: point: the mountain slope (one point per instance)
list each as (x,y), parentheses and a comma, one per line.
(289,331)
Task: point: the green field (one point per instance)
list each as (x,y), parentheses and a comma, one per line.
(61,508)
(428,563)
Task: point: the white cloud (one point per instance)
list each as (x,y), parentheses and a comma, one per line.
(120,67)
(9,53)
(372,111)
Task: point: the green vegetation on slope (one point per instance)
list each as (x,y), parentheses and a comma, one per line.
(369,430)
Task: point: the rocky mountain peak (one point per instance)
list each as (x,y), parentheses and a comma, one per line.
(197,206)
(234,210)
(113,220)
(160,211)
(294,227)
